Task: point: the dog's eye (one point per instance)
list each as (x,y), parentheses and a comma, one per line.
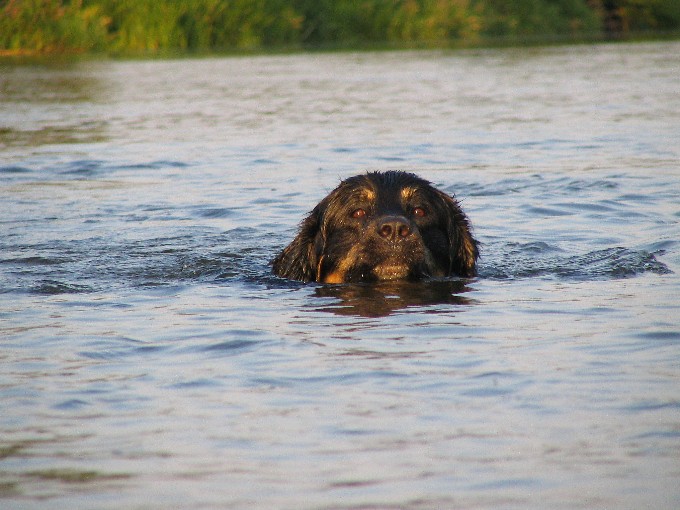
(419,211)
(359,213)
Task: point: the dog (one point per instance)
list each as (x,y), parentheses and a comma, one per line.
(381,226)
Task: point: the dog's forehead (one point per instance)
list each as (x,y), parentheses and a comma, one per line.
(407,192)
(365,193)
(391,189)
(390,193)
(400,192)
(383,191)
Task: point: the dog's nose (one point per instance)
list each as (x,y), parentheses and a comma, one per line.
(394,228)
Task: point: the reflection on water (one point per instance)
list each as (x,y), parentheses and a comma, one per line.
(51,105)
(70,83)
(385,298)
(53,135)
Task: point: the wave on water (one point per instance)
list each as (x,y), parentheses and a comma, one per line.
(92,265)
(82,169)
(540,260)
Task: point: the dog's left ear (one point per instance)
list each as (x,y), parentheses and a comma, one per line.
(300,259)
(463,248)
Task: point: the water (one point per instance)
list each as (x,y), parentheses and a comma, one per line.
(151,360)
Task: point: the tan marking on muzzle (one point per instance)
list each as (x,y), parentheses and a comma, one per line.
(338,275)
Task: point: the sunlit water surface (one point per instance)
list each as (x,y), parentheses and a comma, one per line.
(149,358)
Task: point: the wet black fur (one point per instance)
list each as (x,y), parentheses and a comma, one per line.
(438,244)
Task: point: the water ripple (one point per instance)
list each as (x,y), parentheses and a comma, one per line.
(530,260)
(232,347)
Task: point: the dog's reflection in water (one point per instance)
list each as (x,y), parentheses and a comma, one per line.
(384,298)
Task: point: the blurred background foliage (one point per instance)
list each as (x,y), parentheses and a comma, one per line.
(153,26)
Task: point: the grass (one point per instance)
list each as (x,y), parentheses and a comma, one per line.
(161,27)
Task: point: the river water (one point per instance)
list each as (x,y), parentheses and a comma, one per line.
(151,360)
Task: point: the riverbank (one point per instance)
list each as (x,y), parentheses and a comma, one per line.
(158,27)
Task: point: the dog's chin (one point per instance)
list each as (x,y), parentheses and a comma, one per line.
(389,270)
(392,271)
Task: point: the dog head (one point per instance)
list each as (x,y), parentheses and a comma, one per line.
(381,226)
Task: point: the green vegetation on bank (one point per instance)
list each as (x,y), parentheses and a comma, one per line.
(151,26)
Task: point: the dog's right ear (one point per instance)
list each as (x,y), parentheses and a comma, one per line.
(301,258)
